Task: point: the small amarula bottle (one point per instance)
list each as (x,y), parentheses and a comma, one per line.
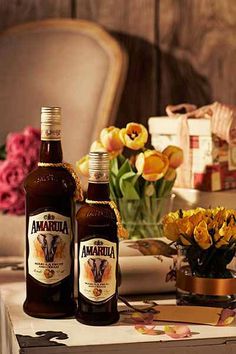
(98,249)
(50,227)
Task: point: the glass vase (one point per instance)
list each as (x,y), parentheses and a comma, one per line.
(142,217)
(204,279)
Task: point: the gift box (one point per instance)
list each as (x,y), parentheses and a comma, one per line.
(210,162)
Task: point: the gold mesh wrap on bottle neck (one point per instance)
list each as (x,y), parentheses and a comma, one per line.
(121,230)
(78,196)
(99,167)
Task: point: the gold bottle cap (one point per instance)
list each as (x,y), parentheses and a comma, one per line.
(49,114)
(51,123)
(99,167)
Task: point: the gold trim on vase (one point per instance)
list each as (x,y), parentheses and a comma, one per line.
(205,286)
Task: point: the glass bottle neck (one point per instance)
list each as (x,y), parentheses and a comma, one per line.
(51,151)
(98,191)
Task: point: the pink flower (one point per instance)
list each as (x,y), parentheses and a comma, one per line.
(33,133)
(16,143)
(12,201)
(22,156)
(28,159)
(24,147)
(12,174)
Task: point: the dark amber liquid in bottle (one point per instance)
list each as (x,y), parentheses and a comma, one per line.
(50,189)
(97,221)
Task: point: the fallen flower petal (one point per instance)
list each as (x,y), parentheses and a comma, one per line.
(226,317)
(147,330)
(177,331)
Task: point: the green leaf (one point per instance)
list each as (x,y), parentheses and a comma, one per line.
(127,185)
(121,159)
(3,152)
(125,167)
(113,195)
(113,190)
(131,176)
(128,190)
(114,168)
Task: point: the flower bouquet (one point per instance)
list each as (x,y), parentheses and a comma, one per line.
(141,184)
(206,242)
(18,157)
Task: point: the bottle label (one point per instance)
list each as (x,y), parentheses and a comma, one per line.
(50,131)
(97,269)
(49,237)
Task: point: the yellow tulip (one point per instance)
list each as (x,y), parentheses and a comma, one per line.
(170,174)
(202,236)
(152,165)
(97,147)
(134,136)
(111,141)
(175,155)
(83,166)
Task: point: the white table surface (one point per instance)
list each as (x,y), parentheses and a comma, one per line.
(19,331)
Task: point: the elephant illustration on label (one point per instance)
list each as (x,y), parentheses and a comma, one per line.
(48,243)
(98,267)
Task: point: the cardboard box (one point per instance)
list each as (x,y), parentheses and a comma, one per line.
(212,160)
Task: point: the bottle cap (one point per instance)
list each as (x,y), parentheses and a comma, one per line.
(51,123)
(99,167)
(50,114)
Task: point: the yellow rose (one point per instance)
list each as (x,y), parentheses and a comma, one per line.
(188,213)
(170,228)
(172,216)
(111,141)
(185,228)
(171,231)
(230,216)
(202,236)
(224,235)
(175,155)
(220,217)
(134,136)
(212,225)
(83,166)
(195,219)
(152,165)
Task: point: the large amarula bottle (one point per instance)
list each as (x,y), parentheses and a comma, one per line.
(98,249)
(50,227)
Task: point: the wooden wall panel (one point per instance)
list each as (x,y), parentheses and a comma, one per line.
(179,50)
(13,12)
(132,22)
(197,42)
